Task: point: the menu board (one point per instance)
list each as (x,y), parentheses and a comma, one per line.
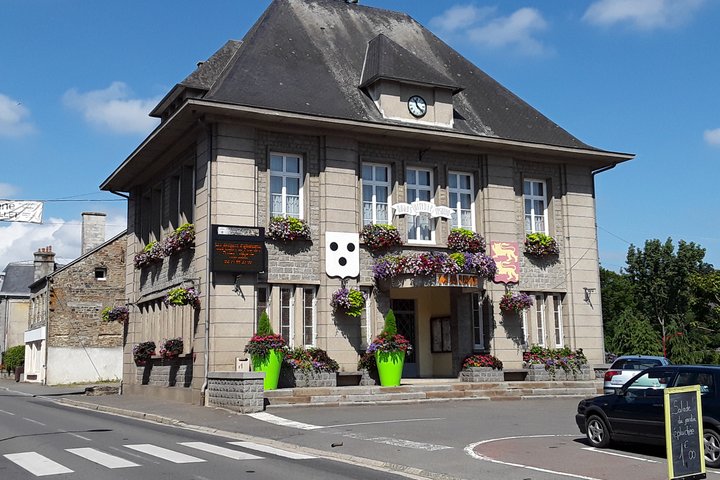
(683,433)
(238,249)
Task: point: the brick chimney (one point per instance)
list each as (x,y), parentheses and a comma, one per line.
(93,230)
(44,262)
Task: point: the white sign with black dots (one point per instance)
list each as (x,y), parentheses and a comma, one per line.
(342,254)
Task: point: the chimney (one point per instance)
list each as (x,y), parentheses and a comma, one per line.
(44,262)
(93,230)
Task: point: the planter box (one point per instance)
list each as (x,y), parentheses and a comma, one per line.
(481,374)
(537,373)
(291,378)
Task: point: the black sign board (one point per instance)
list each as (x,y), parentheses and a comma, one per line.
(238,249)
(683,433)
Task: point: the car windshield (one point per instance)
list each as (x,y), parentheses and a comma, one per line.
(635,363)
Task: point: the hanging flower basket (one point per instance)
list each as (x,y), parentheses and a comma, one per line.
(541,245)
(432,263)
(350,302)
(172,348)
(152,253)
(380,236)
(464,240)
(181,239)
(142,352)
(115,314)
(515,302)
(182,296)
(288,229)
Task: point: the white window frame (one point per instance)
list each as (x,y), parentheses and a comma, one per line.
(459,192)
(365,323)
(539,310)
(291,314)
(375,200)
(558,317)
(477,321)
(285,175)
(313,315)
(525,333)
(104,272)
(532,215)
(411,218)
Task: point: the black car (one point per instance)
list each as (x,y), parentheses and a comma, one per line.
(635,412)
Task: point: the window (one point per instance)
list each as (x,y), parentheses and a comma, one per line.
(524,328)
(100,273)
(477,322)
(262,302)
(558,319)
(540,319)
(365,331)
(285,185)
(421,227)
(286,314)
(534,194)
(460,191)
(187,194)
(376,193)
(309,317)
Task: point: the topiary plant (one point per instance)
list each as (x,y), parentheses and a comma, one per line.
(264,327)
(390,323)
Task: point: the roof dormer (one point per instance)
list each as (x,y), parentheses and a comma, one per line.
(405,88)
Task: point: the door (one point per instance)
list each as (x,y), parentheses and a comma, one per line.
(639,411)
(404,311)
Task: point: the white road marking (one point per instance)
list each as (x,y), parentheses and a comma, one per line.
(164,453)
(222,451)
(270,418)
(614,454)
(383,422)
(37,464)
(7,413)
(272,450)
(470,450)
(397,442)
(34,421)
(102,458)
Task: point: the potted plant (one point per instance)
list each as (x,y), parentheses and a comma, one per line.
(181,239)
(390,349)
(115,314)
(309,367)
(348,301)
(182,296)
(288,229)
(380,236)
(266,350)
(552,360)
(515,302)
(142,352)
(172,348)
(464,240)
(540,245)
(481,367)
(152,253)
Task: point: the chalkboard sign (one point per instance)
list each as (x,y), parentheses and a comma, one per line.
(238,249)
(683,433)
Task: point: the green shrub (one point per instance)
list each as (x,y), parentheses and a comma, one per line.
(14,357)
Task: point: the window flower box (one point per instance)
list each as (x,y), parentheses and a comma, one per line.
(540,245)
(182,296)
(288,229)
(464,240)
(172,348)
(348,301)
(380,236)
(151,254)
(142,352)
(115,314)
(433,263)
(181,239)
(515,302)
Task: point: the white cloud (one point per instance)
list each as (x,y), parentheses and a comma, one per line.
(712,137)
(113,109)
(486,29)
(19,241)
(8,191)
(13,118)
(642,14)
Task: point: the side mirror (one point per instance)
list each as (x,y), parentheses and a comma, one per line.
(619,391)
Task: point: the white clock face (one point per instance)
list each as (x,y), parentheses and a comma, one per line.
(417,106)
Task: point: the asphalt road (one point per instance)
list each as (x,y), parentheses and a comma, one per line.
(39,437)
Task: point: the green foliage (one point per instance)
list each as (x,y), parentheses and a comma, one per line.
(264,327)
(390,324)
(633,334)
(14,357)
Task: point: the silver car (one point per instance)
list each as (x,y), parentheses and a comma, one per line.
(626,367)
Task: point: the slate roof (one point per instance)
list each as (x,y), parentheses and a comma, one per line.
(307,56)
(18,277)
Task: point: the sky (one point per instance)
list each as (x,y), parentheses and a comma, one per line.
(78,79)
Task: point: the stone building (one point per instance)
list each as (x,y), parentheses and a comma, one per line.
(14,303)
(343,115)
(67,341)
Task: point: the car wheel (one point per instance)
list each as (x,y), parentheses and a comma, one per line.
(598,433)
(712,448)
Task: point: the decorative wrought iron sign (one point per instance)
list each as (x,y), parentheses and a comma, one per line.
(238,249)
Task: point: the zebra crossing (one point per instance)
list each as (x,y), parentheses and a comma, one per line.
(41,466)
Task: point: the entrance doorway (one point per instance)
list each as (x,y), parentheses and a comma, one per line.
(404,311)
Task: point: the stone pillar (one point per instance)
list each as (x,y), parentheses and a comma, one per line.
(93,230)
(44,262)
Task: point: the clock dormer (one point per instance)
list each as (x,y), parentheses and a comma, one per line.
(405,88)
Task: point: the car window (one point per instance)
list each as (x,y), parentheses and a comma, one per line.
(704,379)
(645,381)
(634,364)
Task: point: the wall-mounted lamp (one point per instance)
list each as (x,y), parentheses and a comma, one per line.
(588,291)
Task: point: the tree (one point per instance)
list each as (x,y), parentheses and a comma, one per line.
(616,296)
(633,334)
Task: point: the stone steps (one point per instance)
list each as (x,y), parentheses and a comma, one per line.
(429,392)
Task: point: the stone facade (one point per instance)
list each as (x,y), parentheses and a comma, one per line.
(293,378)
(241,392)
(538,373)
(161,372)
(481,374)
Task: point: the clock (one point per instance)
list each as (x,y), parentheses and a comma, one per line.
(417,106)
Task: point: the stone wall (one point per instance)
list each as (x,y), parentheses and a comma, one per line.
(240,392)
(481,374)
(159,372)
